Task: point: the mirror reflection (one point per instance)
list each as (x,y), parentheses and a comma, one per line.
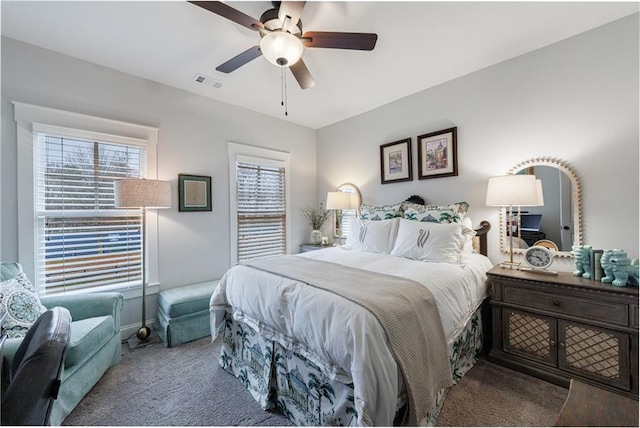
(342,218)
(555,225)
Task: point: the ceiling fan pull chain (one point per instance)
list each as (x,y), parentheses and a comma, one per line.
(282,86)
(283,90)
(286,101)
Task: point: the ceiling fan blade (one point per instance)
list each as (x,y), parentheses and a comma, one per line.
(230,13)
(328,39)
(240,60)
(291,10)
(302,75)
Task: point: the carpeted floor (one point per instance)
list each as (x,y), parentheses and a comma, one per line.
(492,395)
(184,386)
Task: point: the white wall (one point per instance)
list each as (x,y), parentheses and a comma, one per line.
(194,132)
(576,100)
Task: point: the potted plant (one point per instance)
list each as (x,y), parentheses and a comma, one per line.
(316,218)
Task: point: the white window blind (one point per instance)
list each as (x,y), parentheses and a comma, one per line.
(82,241)
(261,211)
(348,217)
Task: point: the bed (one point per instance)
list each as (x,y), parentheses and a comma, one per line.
(373,332)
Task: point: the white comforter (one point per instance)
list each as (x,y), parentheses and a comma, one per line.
(338,335)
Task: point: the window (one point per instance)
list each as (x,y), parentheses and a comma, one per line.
(348,216)
(262,217)
(82,240)
(259,188)
(72,239)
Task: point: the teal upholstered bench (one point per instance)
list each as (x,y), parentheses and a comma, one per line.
(183,313)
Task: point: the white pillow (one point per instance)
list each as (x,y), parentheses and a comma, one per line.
(375,236)
(431,242)
(468,234)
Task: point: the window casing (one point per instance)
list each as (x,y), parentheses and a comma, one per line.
(259,202)
(262,217)
(72,239)
(83,242)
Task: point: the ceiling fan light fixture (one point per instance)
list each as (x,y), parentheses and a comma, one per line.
(281,48)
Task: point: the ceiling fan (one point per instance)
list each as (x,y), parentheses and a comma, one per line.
(282,41)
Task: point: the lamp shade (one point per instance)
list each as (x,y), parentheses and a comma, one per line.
(281,48)
(339,201)
(512,190)
(142,193)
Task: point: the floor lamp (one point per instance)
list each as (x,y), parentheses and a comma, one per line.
(143,194)
(513,191)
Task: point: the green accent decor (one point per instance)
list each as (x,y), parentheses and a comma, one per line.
(183,313)
(95,342)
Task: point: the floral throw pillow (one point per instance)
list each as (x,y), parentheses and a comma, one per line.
(18,298)
(384,212)
(453,213)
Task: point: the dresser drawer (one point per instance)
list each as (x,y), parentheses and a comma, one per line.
(612,312)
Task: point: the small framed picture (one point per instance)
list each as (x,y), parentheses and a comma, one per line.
(395,162)
(438,154)
(194,192)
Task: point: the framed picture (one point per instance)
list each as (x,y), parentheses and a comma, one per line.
(194,192)
(438,154)
(395,162)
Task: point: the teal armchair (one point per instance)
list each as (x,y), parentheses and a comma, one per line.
(95,344)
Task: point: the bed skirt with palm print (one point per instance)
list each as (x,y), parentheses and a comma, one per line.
(282,379)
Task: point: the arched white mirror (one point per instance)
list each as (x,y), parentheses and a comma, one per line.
(342,219)
(559,221)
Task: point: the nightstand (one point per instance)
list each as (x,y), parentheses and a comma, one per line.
(312,247)
(563,327)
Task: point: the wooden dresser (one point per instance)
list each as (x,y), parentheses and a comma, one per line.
(562,327)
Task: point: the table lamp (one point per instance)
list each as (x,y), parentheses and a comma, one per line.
(509,191)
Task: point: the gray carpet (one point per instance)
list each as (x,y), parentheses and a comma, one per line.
(492,395)
(184,386)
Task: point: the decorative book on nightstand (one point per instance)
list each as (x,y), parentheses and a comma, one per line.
(563,327)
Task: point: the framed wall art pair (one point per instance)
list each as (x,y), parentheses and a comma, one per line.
(437,157)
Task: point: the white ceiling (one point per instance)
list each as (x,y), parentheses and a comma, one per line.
(420,45)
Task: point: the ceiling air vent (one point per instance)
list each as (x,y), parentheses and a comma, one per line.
(206,80)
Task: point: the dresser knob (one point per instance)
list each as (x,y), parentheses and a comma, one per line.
(555,303)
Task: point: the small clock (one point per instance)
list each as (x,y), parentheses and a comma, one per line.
(539,258)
